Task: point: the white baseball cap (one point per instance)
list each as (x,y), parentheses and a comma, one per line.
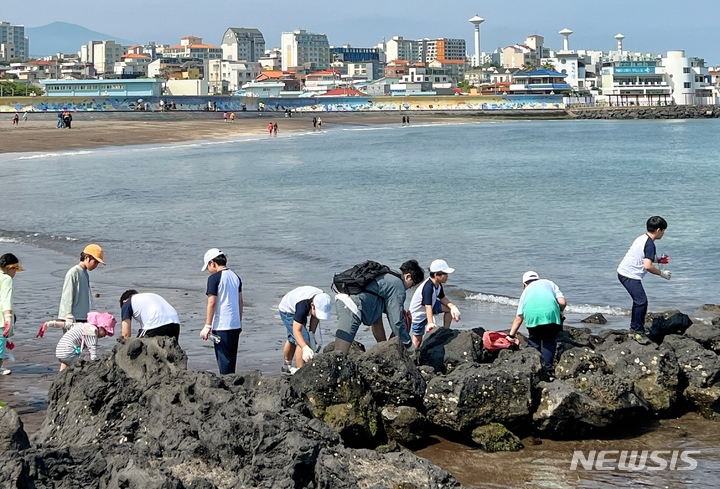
(209,255)
(529,276)
(323,304)
(440,266)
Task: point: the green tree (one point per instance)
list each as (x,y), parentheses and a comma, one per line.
(18,89)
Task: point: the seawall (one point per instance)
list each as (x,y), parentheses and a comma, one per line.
(659,112)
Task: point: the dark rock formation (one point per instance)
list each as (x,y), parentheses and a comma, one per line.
(12,434)
(445,349)
(708,335)
(404,424)
(494,437)
(663,324)
(596,318)
(644,112)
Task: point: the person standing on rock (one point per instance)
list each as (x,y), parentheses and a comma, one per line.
(9,266)
(384,294)
(295,308)
(155,315)
(224,313)
(76,300)
(638,261)
(541,305)
(429,299)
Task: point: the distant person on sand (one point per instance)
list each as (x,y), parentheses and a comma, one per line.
(429,299)
(384,294)
(638,261)
(76,300)
(154,314)
(541,306)
(223,318)
(16,119)
(67,119)
(60,122)
(225,116)
(275,129)
(319,123)
(25,116)
(232,116)
(84,335)
(295,308)
(403,120)
(270,129)
(314,123)
(9,266)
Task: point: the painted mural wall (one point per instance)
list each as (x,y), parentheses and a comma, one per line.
(310,104)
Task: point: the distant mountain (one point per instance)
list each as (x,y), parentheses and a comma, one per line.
(61,37)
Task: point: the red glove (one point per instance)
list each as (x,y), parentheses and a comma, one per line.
(664,259)
(41,333)
(10,345)
(6,329)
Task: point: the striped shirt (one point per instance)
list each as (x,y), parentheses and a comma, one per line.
(71,342)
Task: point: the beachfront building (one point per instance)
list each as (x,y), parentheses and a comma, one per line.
(350,54)
(399,49)
(132,65)
(272,59)
(688,78)
(301,47)
(193,47)
(35,71)
(517,56)
(442,49)
(178,68)
(241,44)
(321,81)
(635,83)
(141,87)
(365,70)
(103,55)
(13,43)
(539,82)
(453,68)
(226,76)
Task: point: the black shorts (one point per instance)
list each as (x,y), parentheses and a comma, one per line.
(172,329)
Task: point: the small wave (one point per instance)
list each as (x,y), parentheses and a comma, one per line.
(53,155)
(572,308)
(8,240)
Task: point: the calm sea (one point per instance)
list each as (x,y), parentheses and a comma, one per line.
(564,198)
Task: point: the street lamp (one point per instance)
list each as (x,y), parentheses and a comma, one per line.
(476,21)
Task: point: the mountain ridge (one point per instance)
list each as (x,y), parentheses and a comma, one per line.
(64,37)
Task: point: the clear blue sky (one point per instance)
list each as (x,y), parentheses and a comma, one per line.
(649,25)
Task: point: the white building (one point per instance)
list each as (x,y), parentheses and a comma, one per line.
(240,44)
(186,87)
(132,64)
(13,37)
(441,49)
(688,78)
(193,47)
(398,48)
(102,54)
(226,75)
(300,47)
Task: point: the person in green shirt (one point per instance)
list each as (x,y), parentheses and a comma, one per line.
(76,300)
(9,266)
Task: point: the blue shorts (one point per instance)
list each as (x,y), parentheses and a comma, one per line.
(288,319)
(3,342)
(418,329)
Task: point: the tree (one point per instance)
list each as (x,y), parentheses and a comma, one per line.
(548,66)
(465,86)
(528,66)
(18,89)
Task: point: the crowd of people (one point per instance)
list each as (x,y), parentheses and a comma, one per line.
(370,291)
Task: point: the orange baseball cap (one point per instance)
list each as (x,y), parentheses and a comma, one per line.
(95,251)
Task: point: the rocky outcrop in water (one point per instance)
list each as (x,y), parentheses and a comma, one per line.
(644,112)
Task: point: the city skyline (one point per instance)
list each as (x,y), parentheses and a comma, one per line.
(649,26)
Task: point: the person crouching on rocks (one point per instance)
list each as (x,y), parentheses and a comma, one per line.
(84,335)
(294,308)
(540,307)
(9,266)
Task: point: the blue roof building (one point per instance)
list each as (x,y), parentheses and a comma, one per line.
(138,87)
(539,82)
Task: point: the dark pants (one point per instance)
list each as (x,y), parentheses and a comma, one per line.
(640,302)
(172,329)
(226,351)
(544,339)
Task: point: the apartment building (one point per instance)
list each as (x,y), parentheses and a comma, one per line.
(241,44)
(300,47)
(399,49)
(441,49)
(102,54)
(193,47)
(16,45)
(229,76)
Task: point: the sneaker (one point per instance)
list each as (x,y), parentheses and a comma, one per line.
(641,338)
(5,371)
(293,370)
(285,368)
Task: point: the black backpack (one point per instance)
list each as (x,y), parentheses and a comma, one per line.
(355,279)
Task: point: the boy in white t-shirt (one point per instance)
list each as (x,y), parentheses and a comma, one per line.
(224,309)
(295,308)
(638,261)
(429,299)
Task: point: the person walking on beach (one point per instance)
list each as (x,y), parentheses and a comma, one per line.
(225,116)
(82,335)
(232,116)
(16,120)
(275,129)
(155,315)
(638,261)
(319,123)
(67,120)
(314,121)
(270,129)
(9,266)
(295,308)
(429,299)
(541,305)
(76,300)
(224,312)
(383,294)
(60,122)
(25,116)
(403,120)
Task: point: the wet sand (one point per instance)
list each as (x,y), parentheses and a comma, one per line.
(94,130)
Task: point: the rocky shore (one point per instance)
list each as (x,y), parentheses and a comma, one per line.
(141,419)
(654,112)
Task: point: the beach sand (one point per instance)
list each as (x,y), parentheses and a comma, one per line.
(96,129)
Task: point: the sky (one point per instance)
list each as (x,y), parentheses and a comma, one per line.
(649,25)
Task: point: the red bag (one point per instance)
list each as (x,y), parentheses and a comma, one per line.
(496,340)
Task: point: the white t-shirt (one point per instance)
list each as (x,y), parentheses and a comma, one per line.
(427,291)
(150,310)
(633,266)
(227,286)
(289,300)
